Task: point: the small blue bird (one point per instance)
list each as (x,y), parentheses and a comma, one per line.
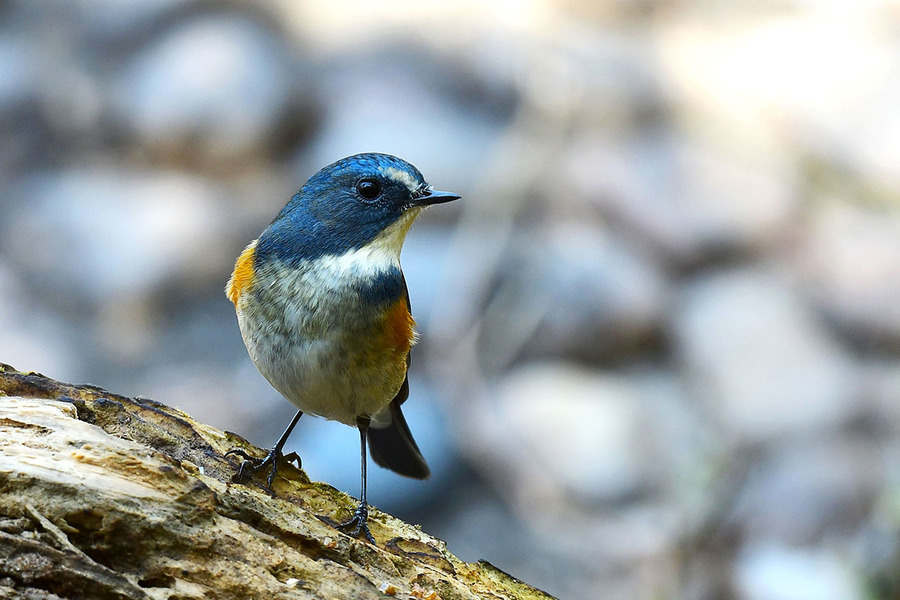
(324,311)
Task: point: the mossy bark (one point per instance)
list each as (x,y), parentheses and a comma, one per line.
(104,496)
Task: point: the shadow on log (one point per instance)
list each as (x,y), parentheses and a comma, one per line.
(104,496)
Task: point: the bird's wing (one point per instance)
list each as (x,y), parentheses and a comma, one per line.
(392,446)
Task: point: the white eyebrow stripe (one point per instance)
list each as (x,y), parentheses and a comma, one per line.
(403,177)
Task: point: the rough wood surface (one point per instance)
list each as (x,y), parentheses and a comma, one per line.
(103,496)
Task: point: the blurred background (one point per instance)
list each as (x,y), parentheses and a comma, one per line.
(660,352)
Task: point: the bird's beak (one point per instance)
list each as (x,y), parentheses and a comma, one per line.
(430,196)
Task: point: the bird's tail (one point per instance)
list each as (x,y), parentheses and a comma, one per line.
(393,447)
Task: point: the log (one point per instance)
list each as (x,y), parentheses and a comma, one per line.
(108,497)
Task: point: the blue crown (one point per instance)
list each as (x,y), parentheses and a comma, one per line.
(329,217)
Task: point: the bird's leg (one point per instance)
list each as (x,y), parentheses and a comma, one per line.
(360,517)
(253,464)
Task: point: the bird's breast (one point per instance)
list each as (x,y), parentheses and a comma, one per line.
(331,334)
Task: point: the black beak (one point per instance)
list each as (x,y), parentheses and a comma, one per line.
(429,196)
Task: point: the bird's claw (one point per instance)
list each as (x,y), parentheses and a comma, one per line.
(359,522)
(254,464)
(294,458)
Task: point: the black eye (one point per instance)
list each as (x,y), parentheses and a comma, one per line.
(369,189)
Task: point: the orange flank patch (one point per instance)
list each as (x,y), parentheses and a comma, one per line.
(400,327)
(242,277)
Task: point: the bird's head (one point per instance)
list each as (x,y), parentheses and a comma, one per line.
(350,204)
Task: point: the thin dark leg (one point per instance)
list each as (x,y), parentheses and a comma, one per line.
(361,516)
(255,464)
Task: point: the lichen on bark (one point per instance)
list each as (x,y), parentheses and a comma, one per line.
(105,497)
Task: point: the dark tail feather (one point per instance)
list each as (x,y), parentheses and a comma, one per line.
(393,447)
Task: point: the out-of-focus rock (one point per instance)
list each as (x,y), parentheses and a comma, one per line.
(558,434)
(115,21)
(99,233)
(877,549)
(581,433)
(759,358)
(31,337)
(823,79)
(770,571)
(572,290)
(805,490)
(114,253)
(881,381)
(17,84)
(215,85)
(689,203)
(851,259)
(566,444)
(25,136)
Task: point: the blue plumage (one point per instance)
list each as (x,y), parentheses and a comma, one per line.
(383,289)
(327,216)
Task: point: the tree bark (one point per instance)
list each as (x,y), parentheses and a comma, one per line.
(104,496)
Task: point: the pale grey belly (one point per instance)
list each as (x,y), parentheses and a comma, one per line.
(323,365)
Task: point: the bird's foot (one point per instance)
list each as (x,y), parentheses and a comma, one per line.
(251,464)
(359,523)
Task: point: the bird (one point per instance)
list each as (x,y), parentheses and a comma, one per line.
(323,308)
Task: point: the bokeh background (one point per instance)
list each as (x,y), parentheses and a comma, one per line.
(660,351)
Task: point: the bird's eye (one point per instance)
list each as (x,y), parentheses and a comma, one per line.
(369,189)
